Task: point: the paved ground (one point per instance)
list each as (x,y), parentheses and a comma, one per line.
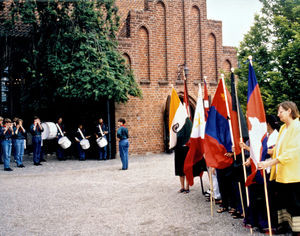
(96,198)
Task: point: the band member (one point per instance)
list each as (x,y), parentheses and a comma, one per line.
(104,128)
(1,152)
(36,130)
(122,134)
(19,142)
(6,136)
(60,151)
(13,139)
(78,138)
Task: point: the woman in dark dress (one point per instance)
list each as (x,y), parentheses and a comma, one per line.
(180,154)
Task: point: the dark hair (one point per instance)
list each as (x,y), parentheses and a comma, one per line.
(290,105)
(18,121)
(35,117)
(273,122)
(7,120)
(123,121)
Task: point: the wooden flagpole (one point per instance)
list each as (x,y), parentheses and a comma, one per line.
(231,135)
(241,139)
(243,152)
(211,193)
(267,202)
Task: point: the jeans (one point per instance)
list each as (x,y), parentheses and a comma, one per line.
(37,148)
(60,152)
(123,148)
(81,152)
(103,153)
(19,150)
(1,151)
(6,147)
(13,150)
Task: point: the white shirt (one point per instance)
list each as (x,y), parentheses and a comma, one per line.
(272,138)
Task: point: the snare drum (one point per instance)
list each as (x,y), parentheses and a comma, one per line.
(64,142)
(85,144)
(50,130)
(102,142)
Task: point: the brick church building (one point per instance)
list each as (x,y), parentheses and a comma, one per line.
(156,38)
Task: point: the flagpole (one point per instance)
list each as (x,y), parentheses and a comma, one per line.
(211,194)
(241,139)
(267,202)
(265,184)
(232,140)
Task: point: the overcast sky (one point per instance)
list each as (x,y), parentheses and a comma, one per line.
(237,17)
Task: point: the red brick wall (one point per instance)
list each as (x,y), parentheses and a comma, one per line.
(162,35)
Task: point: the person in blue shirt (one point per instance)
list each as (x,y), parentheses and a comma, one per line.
(1,152)
(6,135)
(60,150)
(78,138)
(122,135)
(102,151)
(19,140)
(36,130)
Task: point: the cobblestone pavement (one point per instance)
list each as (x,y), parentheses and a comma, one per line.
(96,198)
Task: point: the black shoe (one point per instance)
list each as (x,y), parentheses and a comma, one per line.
(8,169)
(37,164)
(43,160)
(21,166)
(1,162)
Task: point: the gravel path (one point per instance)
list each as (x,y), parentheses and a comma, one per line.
(96,198)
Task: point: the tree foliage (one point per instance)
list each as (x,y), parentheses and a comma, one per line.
(274,43)
(74,52)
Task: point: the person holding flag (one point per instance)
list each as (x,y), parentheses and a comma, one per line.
(180,127)
(196,142)
(218,145)
(286,168)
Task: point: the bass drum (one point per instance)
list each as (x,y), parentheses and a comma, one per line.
(50,130)
(64,142)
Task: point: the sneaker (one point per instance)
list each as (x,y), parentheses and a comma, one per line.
(8,169)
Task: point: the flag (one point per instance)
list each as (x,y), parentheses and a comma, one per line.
(180,125)
(206,102)
(236,105)
(196,142)
(217,132)
(257,126)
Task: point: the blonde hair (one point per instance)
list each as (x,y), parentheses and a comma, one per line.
(290,105)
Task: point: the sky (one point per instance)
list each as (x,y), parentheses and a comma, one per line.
(237,17)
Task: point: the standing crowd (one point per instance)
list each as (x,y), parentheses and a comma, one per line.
(282,166)
(13,138)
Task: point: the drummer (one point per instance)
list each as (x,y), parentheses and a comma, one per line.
(102,151)
(60,151)
(78,138)
(36,130)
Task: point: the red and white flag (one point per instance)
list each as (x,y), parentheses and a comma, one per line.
(196,142)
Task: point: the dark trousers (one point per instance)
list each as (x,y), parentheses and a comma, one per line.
(81,152)
(37,148)
(226,188)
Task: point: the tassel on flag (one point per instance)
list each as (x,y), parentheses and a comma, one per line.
(256,120)
(196,142)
